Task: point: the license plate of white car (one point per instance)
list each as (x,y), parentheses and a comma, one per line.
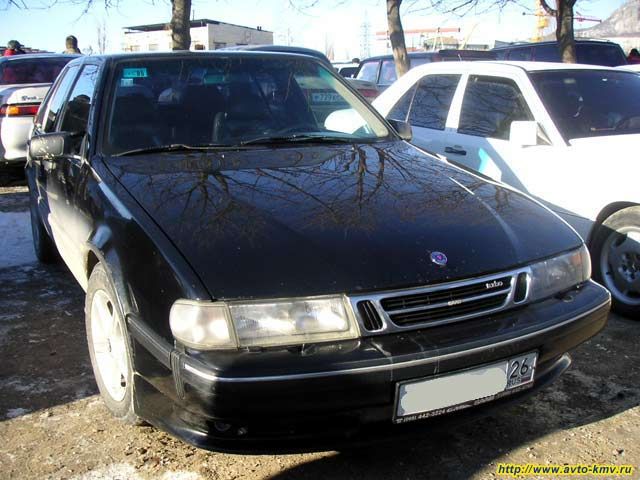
(425,398)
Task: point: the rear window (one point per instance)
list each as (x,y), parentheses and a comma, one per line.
(599,54)
(31,70)
(589,103)
(520,54)
(369,72)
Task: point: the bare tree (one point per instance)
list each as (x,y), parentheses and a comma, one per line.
(396,36)
(101,34)
(564,28)
(181,24)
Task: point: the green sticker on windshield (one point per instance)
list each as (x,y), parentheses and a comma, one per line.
(140,72)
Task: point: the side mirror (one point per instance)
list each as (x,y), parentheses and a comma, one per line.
(403,129)
(50,145)
(524,133)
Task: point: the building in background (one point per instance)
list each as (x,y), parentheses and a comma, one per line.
(205,35)
(436,38)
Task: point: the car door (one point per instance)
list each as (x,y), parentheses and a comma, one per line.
(46,122)
(480,140)
(70,230)
(426,107)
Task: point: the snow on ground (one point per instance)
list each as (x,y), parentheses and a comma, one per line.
(17,248)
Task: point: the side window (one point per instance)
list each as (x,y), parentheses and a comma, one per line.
(388,73)
(432,100)
(401,109)
(518,54)
(417,61)
(546,53)
(76,114)
(50,114)
(501,54)
(369,72)
(489,106)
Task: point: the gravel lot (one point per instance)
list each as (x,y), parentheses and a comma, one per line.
(53,425)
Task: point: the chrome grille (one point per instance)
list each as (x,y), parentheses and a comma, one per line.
(438,304)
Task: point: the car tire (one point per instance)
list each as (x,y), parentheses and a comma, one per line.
(616,260)
(45,248)
(5,179)
(110,347)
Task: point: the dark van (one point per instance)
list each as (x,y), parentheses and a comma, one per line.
(590,52)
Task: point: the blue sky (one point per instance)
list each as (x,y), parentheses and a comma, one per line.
(330,21)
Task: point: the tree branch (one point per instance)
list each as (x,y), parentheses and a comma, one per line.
(545,6)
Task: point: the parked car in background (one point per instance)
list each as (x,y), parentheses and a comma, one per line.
(381,70)
(24,81)
(566,134)
(258,277)
(590,52)
(369,90)
(346,69)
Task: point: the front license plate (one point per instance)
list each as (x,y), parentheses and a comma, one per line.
(419,399)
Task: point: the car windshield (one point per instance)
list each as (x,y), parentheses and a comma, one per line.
(31,70)
(590,103)
(232,101)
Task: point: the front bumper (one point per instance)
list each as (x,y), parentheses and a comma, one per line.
(324,396)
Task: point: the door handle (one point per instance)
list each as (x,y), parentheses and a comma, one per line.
(455,151)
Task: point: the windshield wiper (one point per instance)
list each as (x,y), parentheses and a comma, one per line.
(175,147)
(298,138)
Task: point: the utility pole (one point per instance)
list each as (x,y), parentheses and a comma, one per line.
(365,37)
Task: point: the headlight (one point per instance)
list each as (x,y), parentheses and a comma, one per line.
(214,325)
(560,273)
(203,325)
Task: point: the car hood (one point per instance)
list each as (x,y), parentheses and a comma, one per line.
(318,220)
(608,143)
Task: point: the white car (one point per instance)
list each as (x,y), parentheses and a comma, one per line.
(634,67)
(24,82)
(568,135)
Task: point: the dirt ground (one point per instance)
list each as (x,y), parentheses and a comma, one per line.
(53,425)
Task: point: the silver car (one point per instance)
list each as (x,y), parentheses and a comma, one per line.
(24,82)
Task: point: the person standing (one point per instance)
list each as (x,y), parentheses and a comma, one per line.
(634,56)
(13,48)
(71,45)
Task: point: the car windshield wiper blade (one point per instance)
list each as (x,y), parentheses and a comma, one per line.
(175,147)
(298,138)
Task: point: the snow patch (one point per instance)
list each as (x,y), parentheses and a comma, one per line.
(16,248)
(15,412)
(26,385)
(121,471)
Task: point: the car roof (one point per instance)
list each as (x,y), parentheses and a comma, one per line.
(464,66)
(32,56)
(389,55)
(551,42)
(279,48)
(222,53)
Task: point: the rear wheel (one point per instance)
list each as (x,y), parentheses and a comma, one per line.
(109,347)
(616,262)
(43,245)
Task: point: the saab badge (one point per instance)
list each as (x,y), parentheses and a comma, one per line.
(439,258)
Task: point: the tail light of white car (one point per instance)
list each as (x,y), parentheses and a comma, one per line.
(368,93)
(19,110)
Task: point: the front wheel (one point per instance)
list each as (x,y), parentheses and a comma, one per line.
(45,249)
(616,260)
(109,347)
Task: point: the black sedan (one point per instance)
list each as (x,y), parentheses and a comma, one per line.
(269,265)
